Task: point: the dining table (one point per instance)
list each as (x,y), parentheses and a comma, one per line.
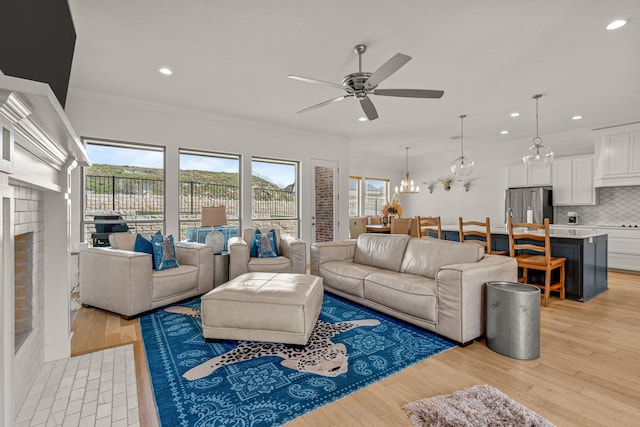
(378,228)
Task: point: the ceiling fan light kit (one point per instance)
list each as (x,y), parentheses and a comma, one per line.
(406,185)
(362,84)
(538,156)
(462,166)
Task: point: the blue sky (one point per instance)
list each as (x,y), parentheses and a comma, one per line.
(279,174)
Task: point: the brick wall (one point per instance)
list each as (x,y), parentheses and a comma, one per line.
(29,220)
(324,204)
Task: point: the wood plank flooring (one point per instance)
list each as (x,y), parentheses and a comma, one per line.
(588,373)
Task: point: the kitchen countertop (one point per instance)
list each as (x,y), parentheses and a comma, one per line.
(565,232)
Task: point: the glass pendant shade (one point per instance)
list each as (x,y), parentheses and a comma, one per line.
(538,156)
(462,166)
(406,185)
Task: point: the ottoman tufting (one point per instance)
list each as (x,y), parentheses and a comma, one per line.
(273,307)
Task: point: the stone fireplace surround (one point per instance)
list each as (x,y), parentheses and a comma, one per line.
(38,151)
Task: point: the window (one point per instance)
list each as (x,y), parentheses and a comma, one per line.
(123,190)
(274,202)
(355,183)
(376,191)
(208,179)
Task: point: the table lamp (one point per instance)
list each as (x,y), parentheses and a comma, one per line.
(212,217)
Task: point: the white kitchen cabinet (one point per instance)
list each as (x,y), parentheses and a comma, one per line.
(521,176)
(572,180)
(623,247)
(617,156)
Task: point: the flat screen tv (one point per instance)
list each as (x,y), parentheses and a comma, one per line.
(37,39)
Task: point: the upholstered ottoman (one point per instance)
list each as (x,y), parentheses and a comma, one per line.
(273,307)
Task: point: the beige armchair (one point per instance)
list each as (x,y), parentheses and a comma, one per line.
(122,281)
(292,259)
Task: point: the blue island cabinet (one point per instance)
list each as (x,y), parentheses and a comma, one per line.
(585,267)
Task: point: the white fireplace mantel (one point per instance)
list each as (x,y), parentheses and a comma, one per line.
(39,148)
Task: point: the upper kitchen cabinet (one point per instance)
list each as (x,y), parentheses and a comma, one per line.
(521,176)
(617,152)
(572,180)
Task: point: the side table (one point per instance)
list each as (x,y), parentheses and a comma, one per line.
(220,268)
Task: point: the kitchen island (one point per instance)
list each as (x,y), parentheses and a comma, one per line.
(584,249)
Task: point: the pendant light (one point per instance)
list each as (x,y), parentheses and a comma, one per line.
(462,166)
(538,156)
(406,185)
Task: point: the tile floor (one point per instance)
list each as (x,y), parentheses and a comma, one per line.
(95,389)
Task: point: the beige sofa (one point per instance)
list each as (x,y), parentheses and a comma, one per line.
(122,281)
(435,284)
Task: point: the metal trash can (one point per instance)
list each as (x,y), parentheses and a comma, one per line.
(513,319)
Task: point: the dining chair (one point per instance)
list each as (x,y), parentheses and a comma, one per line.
(400,225)
(374,220)
(535,238)
(428,225)
(357,226)
(481,232)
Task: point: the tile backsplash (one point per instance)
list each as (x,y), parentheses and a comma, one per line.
(616,206)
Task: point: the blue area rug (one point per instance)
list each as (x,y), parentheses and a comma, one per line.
(242,383)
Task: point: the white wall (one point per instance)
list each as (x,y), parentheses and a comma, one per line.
(103,117)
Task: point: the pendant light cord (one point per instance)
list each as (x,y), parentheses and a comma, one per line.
(462,136)
(537,140)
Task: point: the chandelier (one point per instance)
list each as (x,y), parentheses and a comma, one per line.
(538,156)
(462,166)
(406,185)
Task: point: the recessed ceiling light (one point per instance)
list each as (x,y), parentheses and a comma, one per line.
(504,132)
(166,71)
(616,24)
(576,117)
(514,114)
(362,119)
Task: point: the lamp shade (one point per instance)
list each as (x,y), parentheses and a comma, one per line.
(213,216)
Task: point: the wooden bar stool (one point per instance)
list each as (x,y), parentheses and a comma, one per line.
(523,237)
(484,235)
(429,224)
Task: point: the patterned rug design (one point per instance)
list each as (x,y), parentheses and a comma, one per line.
(244,383)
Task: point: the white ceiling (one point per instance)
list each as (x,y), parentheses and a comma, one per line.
(490,57)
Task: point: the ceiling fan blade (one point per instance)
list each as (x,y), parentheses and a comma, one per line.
(410,93)
(322,104)
(316,81)
(368,108)
(386,69)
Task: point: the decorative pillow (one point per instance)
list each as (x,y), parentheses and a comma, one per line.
(264,245)
(164,252)
(143,244)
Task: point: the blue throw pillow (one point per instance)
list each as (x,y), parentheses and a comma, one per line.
(264,245)
(142,244)
(164,252)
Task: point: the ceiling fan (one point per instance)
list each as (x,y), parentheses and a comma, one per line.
(362,84)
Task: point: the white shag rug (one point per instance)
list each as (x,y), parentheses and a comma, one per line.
(480,405)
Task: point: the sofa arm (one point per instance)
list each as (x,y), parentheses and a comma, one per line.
(342,250)
(238,257)
(460,290)
(116,280)
(296,250)
(201,256)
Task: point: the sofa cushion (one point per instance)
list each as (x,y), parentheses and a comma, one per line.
(346,277)
(406,293)
(174,281)
(123,241)
(425,256)
(381,250)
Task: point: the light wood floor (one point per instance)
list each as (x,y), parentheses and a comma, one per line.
(588,373)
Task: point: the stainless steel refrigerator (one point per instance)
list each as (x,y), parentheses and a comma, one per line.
(538,199)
